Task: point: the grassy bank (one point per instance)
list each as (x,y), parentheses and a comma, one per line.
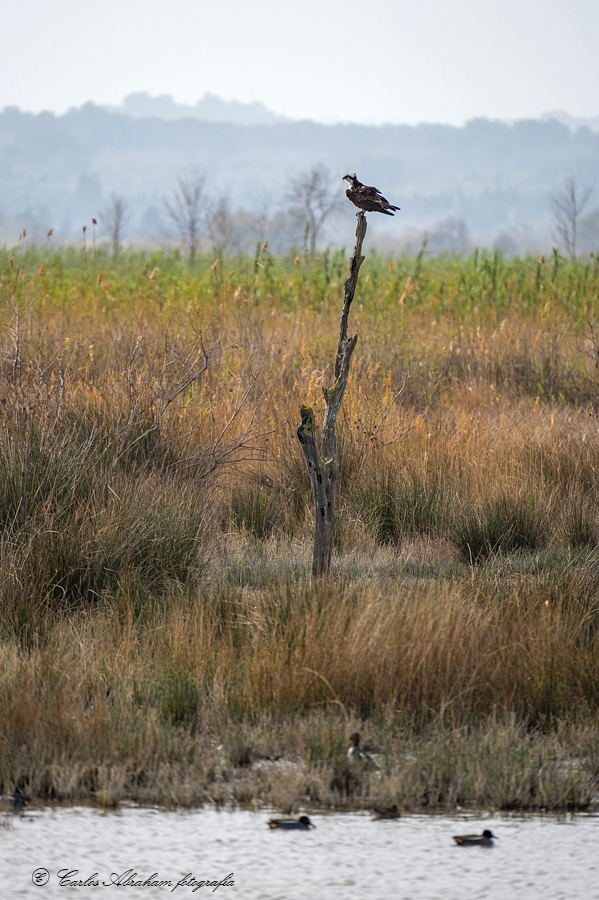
(159,636)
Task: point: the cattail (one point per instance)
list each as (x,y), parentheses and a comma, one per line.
(42,270)
(84,229)
(99,279)
(542,258)
(94,221)
(264,247)
(592,253)
(50,232)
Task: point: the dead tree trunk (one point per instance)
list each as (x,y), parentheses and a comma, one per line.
(323,464)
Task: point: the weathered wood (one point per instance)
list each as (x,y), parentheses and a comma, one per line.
(324,466)
(323,475)
(351,284)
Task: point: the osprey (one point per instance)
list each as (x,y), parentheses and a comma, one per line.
(368,198)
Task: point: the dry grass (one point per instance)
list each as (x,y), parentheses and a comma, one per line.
(159,635)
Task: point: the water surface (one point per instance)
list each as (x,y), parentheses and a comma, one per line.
(346,856)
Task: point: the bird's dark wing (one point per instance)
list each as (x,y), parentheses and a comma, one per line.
(372,191)
(370,199)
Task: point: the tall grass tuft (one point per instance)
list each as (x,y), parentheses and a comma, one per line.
(506,525)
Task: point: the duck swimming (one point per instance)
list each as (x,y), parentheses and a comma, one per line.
(387,812)
(303,823)
(475,840)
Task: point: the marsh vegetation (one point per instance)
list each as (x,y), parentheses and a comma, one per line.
(160,635)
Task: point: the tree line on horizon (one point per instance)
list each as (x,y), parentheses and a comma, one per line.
(487,184)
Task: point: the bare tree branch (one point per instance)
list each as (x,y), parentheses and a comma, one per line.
(114,220)
(186,210)
(221,227)
(323,461)
(314,199)
(568,205)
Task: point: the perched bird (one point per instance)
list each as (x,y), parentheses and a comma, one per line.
(359,756)
(387,812)
(368,198)
(301,824)
(475,840)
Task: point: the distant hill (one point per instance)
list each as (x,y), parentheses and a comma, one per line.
(573,122)
(209,109)
(488,183)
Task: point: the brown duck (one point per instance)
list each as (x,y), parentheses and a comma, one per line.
(386,812)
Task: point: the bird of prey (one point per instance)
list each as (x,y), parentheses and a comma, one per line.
(368,198)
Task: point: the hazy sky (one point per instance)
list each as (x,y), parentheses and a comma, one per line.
(330,60)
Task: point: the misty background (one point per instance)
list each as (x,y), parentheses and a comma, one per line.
(487,183)
(447,106)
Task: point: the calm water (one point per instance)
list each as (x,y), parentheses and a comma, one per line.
(345,857)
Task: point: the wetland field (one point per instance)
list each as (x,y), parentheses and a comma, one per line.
(161,638)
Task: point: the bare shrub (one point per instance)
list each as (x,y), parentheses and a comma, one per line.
(114,220)
(568,205)
(314,199)
(186,208)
